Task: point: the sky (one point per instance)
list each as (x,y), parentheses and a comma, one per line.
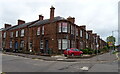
(101,16)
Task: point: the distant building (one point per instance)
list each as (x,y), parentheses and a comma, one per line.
(55,34)
(1,39)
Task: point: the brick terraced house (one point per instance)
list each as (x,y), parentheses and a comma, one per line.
(55,34)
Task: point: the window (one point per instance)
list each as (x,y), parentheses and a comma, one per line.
(10,44)
(41,44)
(60,26)
(30,45)
(11,34)
(22,44)
(59,44)
(81,45)
(64,27)
(86,35)
(16,33)
(3,43)
(64,43)
(22,32)
(72,29)
(4,35)
(76,31)
(38,31)
(81,33)
(68,28)
(42,30)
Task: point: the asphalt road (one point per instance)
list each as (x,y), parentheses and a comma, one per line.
(11,63)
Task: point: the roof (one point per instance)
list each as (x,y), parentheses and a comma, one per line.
(58,18)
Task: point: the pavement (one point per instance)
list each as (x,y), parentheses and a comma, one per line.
(106,57)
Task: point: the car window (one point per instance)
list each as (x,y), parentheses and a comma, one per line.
(76,50)
(68,49)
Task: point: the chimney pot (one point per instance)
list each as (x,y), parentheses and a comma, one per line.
(41,17)
(71,19)
(7,25)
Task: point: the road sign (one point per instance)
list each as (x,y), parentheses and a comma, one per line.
(110,43)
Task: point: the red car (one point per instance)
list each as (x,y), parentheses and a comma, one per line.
(73,52)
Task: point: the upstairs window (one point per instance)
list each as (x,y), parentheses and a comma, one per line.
(22,32)
(64,27)
(4,35)
(81,33)
(76,31)
(38,31)
(72,29)
(42,30)
(11,34)
(60,26)
(16,34)
(86,35)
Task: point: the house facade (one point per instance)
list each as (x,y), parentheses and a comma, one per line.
(54,34)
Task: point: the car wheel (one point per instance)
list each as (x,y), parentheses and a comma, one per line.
(81,54)
(65,55)
(72,54)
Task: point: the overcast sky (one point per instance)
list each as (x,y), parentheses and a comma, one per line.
(101,16)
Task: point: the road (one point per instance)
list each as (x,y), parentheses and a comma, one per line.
(11,63)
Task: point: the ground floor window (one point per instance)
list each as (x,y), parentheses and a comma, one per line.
(10,44)
(73,44)
(22,44)
(30,45)
(63,44)
(41,44)
(81,45)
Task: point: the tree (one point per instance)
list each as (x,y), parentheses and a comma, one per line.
(111,39)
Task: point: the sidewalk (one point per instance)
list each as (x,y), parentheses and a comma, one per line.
(107,57)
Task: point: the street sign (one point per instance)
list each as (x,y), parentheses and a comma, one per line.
(110,43)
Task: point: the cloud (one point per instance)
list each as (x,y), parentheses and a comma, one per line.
(99,15)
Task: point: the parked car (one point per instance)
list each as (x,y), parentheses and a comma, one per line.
(72,52)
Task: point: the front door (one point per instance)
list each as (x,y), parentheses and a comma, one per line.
(16,46)
(47,46)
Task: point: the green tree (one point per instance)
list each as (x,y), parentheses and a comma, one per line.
(111,39)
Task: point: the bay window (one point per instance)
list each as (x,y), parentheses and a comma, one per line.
(72,29)
(22,44)
(86,35)
(76,31)
(63,27)
(63,44)
(81,33)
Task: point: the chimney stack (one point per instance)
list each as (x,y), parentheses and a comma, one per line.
(83,27)
(7,25)
(52,13)
(41,17)
(90,31)
(71,19)
(20,22)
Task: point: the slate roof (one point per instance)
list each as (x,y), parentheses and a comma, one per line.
(58,18)
(34,24)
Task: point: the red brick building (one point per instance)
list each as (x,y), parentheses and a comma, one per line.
(55,33)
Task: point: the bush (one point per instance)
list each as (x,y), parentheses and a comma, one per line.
(87,51)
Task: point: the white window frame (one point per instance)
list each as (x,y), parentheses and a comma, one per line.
(10,44)
(11,34)
(86,35)
(43,29)
(16,34)
(76,31)
(22,44)
(22,32)
(4,35)
(38,31)
(60,27)
(59,44)
(81,33)
(64,27)
(64,44)
(41,44)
